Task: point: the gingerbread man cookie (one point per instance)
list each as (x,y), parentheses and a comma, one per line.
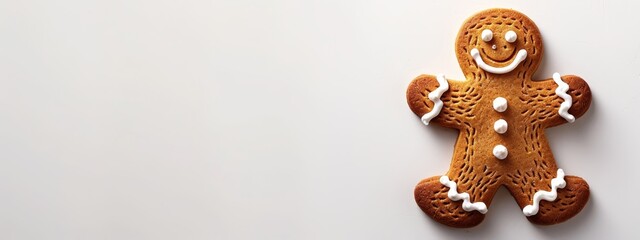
(501,115)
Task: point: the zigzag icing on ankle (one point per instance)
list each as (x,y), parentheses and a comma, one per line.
(561,91)
(455,196)
(435,98)
(556,183)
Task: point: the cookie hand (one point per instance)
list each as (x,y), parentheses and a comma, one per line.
(579,92)
(433,101)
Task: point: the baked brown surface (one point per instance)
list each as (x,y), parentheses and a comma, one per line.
(468,107)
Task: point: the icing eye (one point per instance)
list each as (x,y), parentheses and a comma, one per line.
(510,36)
(487,35)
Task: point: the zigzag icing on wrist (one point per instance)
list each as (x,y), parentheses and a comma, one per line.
(435,98)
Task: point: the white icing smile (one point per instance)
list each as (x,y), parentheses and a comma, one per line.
(522,54)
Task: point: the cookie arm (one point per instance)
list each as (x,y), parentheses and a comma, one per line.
(552,91)
(421,104)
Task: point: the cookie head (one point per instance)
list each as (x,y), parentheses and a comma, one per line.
(499,41)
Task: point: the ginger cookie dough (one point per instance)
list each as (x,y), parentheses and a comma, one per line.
(501,115)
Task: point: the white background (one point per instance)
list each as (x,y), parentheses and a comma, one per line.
(280,119)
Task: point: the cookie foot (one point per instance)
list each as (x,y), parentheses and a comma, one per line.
(431,197)
(571,199)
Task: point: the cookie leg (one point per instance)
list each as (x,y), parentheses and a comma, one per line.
(431,196)
(570,201)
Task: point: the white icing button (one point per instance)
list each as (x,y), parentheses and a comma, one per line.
(500,104)
(500,126)
(500,152)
